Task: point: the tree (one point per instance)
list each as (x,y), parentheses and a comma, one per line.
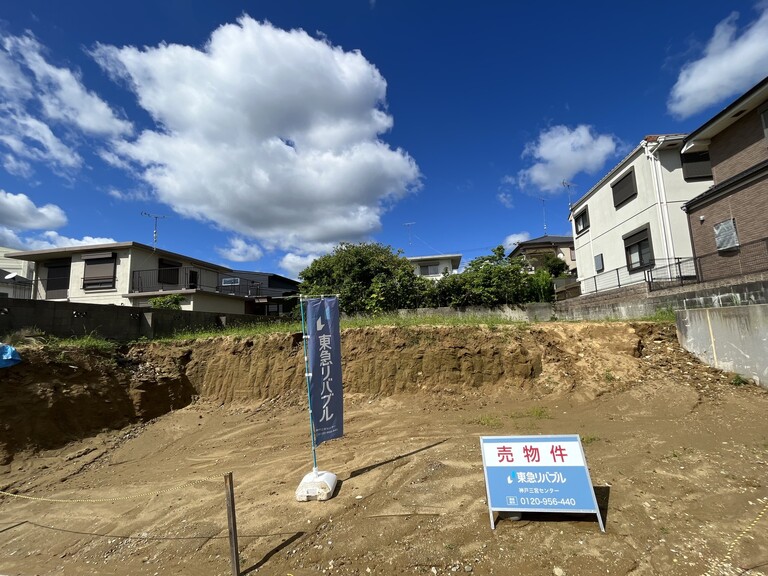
(169,302)
(368,277)
(554,265)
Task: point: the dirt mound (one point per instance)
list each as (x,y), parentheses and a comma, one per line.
(56,396)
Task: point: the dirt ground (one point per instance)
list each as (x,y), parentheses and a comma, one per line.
(677,454)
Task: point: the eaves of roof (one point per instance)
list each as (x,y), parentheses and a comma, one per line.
(747,102)
(50,253)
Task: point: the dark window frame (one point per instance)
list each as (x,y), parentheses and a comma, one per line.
(697,166)
(100,270)
(624,189)
(428,268)
(581,221)
(637,237)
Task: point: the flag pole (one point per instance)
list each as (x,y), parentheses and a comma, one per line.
(316,485)
(308,376)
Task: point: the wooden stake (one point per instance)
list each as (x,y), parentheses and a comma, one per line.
(234,553)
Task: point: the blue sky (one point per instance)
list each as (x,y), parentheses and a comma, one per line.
(265,132)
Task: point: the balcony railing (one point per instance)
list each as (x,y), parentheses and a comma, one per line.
(191,278)
(748,258)
(610,279)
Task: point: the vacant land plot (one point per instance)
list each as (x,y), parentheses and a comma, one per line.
(677,451)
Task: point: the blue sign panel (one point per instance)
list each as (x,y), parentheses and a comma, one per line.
(537,474)
(324,362)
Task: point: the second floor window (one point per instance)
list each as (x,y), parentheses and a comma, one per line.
(581,221)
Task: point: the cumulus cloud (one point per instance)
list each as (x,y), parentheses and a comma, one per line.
(560,153)
(511,241)
(18,212)
(730,65)
(240,251)
(45,108)
(293,264)
(271,134)
(9,239)
(51,239)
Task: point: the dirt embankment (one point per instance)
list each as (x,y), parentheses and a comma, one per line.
(57,396)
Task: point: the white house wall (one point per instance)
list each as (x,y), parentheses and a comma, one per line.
(442,264)
(678,192)
(104,295)
(609,224)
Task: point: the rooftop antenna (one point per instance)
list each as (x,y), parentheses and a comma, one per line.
(544,210)
(408,225)
(154,234)
(568,185)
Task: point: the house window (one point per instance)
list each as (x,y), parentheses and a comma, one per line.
(624,189)
(696,166)
(726,237)
(573,254)
(429,269)
(599,267)
(763,112)
(638,249)
(168,271)
(581,221)
(99,270)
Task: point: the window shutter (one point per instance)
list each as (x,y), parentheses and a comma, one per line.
(624,190)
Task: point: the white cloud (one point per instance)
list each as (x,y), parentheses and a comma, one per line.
(129,196)
(506,199)
(240,251)
(51,239)
(514,239)
(18,212)
(16,166)
(61,93)
(293,264)
(9,239)
(271,134)
(560,153)
(44,109)
(730,65)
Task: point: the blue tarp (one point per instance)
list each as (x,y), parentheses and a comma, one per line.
(8,356)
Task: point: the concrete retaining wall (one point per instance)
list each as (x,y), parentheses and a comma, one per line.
(732,338)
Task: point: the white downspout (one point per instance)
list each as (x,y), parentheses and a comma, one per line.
(661,197)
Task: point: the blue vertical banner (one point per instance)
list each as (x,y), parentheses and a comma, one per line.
(324,363)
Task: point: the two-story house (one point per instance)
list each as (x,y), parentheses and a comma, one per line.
(536,249)
(130,274)
(728,223)
(437,266)
(631,220)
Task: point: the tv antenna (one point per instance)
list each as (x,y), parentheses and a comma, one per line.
(408,225)
(568,185)
(544,210)
(154,233)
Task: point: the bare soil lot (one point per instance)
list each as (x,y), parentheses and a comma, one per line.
(677,452)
